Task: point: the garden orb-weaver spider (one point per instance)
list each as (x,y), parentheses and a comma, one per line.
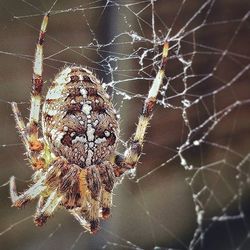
(75,161)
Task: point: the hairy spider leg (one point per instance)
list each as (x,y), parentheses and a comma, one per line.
(81,214)
(28,195)
(37,83)
(21,127)
(108,182)
(44,211)
(40,204)
(96,195)
(133,152)
(90,220)
(94,185)
(106,201)
(29,133)
(80,217)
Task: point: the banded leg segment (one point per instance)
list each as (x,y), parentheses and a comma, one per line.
(28,195)
(32,152)
(132,154)
(44,211)
(106,201)
(88,218)
(108,182)
(21,126)
(96,184)
(29,132)
(37,84)
(33,147)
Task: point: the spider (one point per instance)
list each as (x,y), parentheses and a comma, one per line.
(75,161)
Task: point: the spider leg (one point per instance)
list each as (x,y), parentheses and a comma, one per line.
(133,152)
(29,133)
(90,189)
(33,148)
(84,190)
(108,181)
(89,219)
(80,214)
(28,195)
(40,204)
(44,211)
(80,217)
(37,82)
(106,201)
(20,126)
(93,216)
(94,185)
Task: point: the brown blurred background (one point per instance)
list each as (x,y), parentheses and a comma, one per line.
(159,207)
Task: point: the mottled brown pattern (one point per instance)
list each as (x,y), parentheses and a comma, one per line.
(73,124)
(107,176)
(94,182)
(92,91)
(67,140)
(111,139)
(74,78)
(37,84)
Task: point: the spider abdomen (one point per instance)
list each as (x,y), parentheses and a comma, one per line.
(79,121)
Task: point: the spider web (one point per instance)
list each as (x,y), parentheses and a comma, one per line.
(191,189)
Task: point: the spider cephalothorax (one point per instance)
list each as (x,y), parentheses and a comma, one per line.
(75,160)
